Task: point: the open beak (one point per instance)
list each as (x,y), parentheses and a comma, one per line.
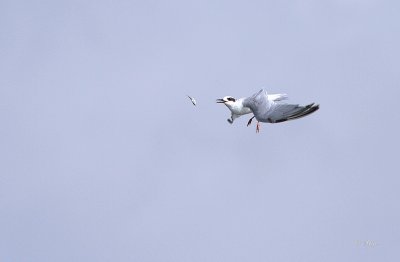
(220,100)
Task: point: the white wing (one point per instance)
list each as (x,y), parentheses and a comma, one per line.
(278,97)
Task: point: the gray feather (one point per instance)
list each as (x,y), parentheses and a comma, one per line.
(268,111)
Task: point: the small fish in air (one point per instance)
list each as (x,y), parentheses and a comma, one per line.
(193,100)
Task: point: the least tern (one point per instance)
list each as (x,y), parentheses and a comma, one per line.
(267,111)
(236,105)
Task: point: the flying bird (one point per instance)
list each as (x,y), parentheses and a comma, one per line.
(236,105)
(193,100)
(267,111)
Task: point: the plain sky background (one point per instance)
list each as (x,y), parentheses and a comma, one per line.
(104,158)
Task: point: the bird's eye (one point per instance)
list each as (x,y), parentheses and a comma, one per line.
(231,99)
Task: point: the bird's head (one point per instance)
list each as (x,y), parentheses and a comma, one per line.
(227,100)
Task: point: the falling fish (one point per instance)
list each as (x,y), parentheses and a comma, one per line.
(192,99)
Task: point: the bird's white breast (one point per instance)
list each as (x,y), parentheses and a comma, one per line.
(238,109)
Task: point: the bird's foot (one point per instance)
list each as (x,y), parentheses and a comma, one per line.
(258,127)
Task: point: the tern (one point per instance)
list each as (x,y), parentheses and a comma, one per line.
(192,99)
(267,111)
(237,109)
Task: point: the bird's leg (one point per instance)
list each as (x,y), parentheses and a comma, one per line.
(258,127)
(251,119)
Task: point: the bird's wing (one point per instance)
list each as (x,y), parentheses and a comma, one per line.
(258,103)
(283,112)
(278,97)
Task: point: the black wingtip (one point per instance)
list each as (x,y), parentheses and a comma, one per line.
(311,109)
(308,109)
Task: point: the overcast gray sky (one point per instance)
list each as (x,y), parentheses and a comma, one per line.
(103,157)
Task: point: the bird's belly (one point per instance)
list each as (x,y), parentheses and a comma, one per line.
(244,111)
